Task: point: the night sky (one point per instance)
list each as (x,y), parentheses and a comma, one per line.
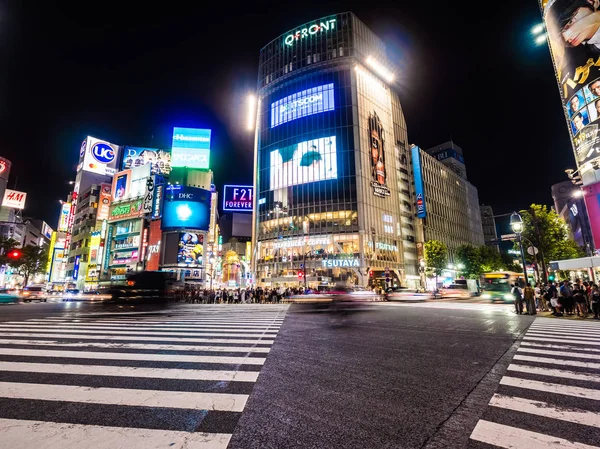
(130,74)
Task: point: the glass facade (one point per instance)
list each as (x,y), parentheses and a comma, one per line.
(331,197)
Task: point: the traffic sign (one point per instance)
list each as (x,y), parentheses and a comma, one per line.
(301,265)
(508,236)
(532,251)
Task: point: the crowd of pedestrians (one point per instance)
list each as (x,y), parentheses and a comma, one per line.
(250,295)
(565,298)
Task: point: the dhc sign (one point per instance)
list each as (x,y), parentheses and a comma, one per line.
(311,30)
(340,263)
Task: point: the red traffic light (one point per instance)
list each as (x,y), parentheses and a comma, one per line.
(300,274)
(14,254)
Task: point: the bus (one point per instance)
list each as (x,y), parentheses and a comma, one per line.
(496,286)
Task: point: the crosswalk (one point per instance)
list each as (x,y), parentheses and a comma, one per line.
(550,395)
(132,380)
(482,307)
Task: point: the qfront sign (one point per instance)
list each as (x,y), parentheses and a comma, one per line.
(309,30)
(341,263)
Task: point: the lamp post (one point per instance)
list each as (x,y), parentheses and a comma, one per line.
(212,271)
(516,224)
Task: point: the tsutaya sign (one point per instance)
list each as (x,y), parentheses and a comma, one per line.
(311,30)
(339,263)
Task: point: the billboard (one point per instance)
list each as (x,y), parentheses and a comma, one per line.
(128,209)
(592,203)
(5,165)
(377,149)
(99,157)
(302,104)
(14,199)
(308,161)
(237,198)
(131,184)
(186,208)
(103,201)
(191,249)
(190,148)
(418,177)
(159,160)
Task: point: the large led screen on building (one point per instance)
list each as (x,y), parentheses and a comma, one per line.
(186,208)
(190,148)
(159,160)
(573,28)
(191,249)
(303,103)
(308,161)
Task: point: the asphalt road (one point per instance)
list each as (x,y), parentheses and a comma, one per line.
(396,376)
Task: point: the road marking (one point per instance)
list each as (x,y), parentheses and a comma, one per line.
(548,339)
(563,374)
(560,335)
(546,410)
(132,356)
(126,371)
(143,329)
(564,347)
(125,396)
(557,361)
(560,354)
(76,336)
(22,434)
(592,325)
(508,437)
(142,324)
(547,387)
(211,333)
(561,329)
(166,347)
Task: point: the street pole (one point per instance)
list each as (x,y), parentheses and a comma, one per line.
(523,258)
(539,239)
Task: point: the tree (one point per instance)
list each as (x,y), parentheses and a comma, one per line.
(550,236)
(436,256)
(33,260)
(469,257)
(490,259)
(508,263)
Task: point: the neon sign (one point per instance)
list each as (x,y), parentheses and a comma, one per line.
(309,31)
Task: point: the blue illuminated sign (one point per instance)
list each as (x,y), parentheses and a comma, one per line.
(186,208)
(237,198)
(190,148)
(76,268)
(418,176)
(103,153)
(303,103)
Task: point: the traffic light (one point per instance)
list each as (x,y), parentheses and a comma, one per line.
(551,277)
(14,254)
(300,274)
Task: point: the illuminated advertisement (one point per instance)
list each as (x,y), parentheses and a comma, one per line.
(103,202)
(131,184)
(76,267)
(47,230)
(121,185)
(191,249)
(94,246)
(154,239)
(157,201)
(159,160)
(99,156)
(237,198)
(592,203)
(14,199)
(301,104)
(122,211)
(5,165)
(418,177)
(190,148)
(309,30)
(377,150)
(573,29)
(308,161)
(186,208)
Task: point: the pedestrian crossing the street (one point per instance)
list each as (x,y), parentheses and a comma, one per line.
(550,394)
(178,380)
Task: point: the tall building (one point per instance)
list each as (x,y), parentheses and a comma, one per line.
(329,144)
(488,223)
(451,155)
(570,206)
(451,213)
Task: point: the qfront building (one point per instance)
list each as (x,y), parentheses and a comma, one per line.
(332,161)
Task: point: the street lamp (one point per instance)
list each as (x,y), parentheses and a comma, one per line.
(516,224)
(539,34)
(212,270)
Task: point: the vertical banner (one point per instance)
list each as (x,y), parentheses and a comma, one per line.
(592,203)
(76,268)
(418,177)
(573,29)
(108,247)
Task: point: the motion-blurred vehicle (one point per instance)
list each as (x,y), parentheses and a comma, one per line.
(407,294)
(34,293)
(458,291)
(8,296)
(497,285)
(363,293)
(145,286)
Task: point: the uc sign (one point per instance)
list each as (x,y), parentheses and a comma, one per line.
(103,153)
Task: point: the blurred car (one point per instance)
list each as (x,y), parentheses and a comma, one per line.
(362,293)
(458,291)
(407,294)
(34,293)
(8,296)
(71,294)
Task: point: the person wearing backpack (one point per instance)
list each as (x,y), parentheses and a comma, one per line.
(518,295)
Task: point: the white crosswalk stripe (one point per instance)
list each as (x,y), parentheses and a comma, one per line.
(484,307)
(554,378)
(131,379)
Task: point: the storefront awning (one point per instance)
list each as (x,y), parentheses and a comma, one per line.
(575,264)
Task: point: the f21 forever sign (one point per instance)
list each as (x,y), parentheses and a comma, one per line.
(238,198)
